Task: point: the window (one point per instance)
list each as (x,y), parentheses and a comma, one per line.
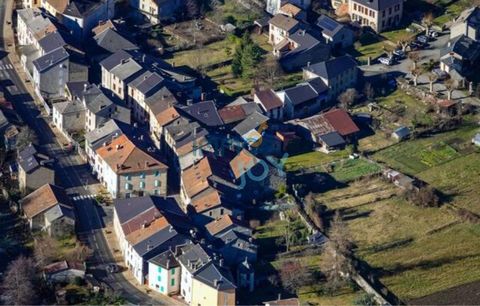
(142,175)
(157,183)
(383,13)
(389,11)
(142,184)
(155,192)
(128,177)
(397,7)
(159,269)
(159,278)
(161,289)
(157,173)
(354,6)
(128,186)
(128,195)
(172,282)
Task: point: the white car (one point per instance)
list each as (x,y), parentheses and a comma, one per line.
(432,34)
(399,53)
(386,61)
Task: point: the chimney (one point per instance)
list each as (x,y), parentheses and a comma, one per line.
(189,102)
(143,58)
(135,125)
(124,60)
(140,137)
(194,132)
(168,264)
(215,283)
(220,262)
(146,164)
(85,86)
(202,96)
(279,297)
(118,147)
(308,64)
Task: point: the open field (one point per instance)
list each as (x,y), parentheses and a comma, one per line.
(414,251)
(313,159)
(418,155)
(348,170)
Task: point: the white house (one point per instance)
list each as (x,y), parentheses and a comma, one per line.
(164,273)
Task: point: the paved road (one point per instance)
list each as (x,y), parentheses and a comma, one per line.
(71,173)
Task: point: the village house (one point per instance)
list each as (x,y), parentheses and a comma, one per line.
(304,99)
(156,11)
(468,24)
(459,57)
(62,272)
(80,16)
(328,131)
(293,11)
(270,103)
(145,228)
(274,7)
(338,74)
(164,273)
(339,36)
(127,170)
(204,281)
(379,15)
(49,209)
(32,26)
(34,169)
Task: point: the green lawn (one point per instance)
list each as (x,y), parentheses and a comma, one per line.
(348,170)
(373,51)
(313,159)
(452,10)
(418,155)
(393,36)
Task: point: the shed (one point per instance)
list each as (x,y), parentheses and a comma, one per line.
(401,133)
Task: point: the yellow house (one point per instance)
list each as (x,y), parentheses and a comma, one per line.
(211,287)
(55,7)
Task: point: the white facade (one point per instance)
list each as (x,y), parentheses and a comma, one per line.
(186,284)
(165,281)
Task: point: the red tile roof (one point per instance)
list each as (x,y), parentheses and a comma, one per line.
(341,122)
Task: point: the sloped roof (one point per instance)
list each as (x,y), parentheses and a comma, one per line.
(341,122)
(165,260)
(51,42)
(225,222)
(215,276)
(250,123)
(123,156)
(269,99)
(112,41)
(195,178)
(378,5)
(207,199)
(284,22)
(330,27)
(44,198)
(51,59)
(205,113)
(242,163)
(333,67)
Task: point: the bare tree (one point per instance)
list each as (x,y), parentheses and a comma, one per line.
(415,74)
(347,97)
(337,264)
(45,250)
(19,282)
(432,78)
(450,85)
(415,58)
(427,21)
(80,253)
(404,39)
(424,197)
(369,91)
(294,275)
(269,72)
(26,137)
(314,210)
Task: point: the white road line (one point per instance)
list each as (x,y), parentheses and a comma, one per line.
(10,66)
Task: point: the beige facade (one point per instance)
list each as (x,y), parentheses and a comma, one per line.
(205,295)
(378,19)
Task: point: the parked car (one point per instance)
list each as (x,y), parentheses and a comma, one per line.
(442,75)
(386,61)
(415,45)
(399,54)
(432,34)
(112,268)
(422,39)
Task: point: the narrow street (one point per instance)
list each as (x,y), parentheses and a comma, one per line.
(71,171)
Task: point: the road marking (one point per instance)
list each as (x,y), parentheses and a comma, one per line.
(84,197)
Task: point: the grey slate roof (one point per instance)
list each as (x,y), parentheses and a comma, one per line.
(156,242)
(251,122)
(204,112)
(165,259)
(112,41)
(59,211)
(128,208)
(464,46)
(215,276)
(51,59)
(83,90)
(126,69)
(115,59)
(183,134)
(51,42)
(97,137)
(193,257)
(81,8)
(332,139)
(471,16)
(301,93)
(333,67)
(330,27)
(379,5)
(149,83)
(69,107)
(27,158)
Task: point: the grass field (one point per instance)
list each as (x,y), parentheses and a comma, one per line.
(348,170)
(418,155)
(414,251)
(313,159)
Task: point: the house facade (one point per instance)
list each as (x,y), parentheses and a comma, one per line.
(379,15)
